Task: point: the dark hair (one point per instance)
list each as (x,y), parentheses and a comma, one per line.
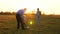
(37,8)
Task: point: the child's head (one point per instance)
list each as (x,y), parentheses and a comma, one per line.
(37,9)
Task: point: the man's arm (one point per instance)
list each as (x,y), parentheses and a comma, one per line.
(40,12)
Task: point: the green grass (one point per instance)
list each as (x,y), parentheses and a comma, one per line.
(48,25)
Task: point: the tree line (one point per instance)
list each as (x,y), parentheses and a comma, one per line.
(7,13)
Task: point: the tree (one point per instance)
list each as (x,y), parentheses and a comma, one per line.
(1,12)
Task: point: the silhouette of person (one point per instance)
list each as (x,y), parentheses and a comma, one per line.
(20,18)
(38,13)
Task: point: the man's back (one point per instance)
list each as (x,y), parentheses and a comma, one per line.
(20,12)
(38,13)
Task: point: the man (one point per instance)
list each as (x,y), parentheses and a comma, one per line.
(20,18)
(38,13)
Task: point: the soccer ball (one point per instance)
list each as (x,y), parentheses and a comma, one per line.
(27,27)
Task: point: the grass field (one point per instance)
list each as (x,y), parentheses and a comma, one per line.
(48,25)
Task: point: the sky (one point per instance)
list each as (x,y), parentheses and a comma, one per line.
(46,6)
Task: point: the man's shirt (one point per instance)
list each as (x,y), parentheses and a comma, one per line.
(38,17)
(38,14)
(21,12)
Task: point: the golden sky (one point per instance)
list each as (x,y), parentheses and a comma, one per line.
(46,6)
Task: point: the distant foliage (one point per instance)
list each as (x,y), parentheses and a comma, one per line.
(7,13)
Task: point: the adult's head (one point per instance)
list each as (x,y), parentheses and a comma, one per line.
(25,9)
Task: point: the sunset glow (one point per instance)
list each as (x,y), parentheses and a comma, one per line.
(46,6)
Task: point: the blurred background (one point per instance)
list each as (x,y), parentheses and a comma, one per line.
(49,22)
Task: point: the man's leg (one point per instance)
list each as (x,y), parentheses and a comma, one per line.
(18,21)
(18,25)
(22,24)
